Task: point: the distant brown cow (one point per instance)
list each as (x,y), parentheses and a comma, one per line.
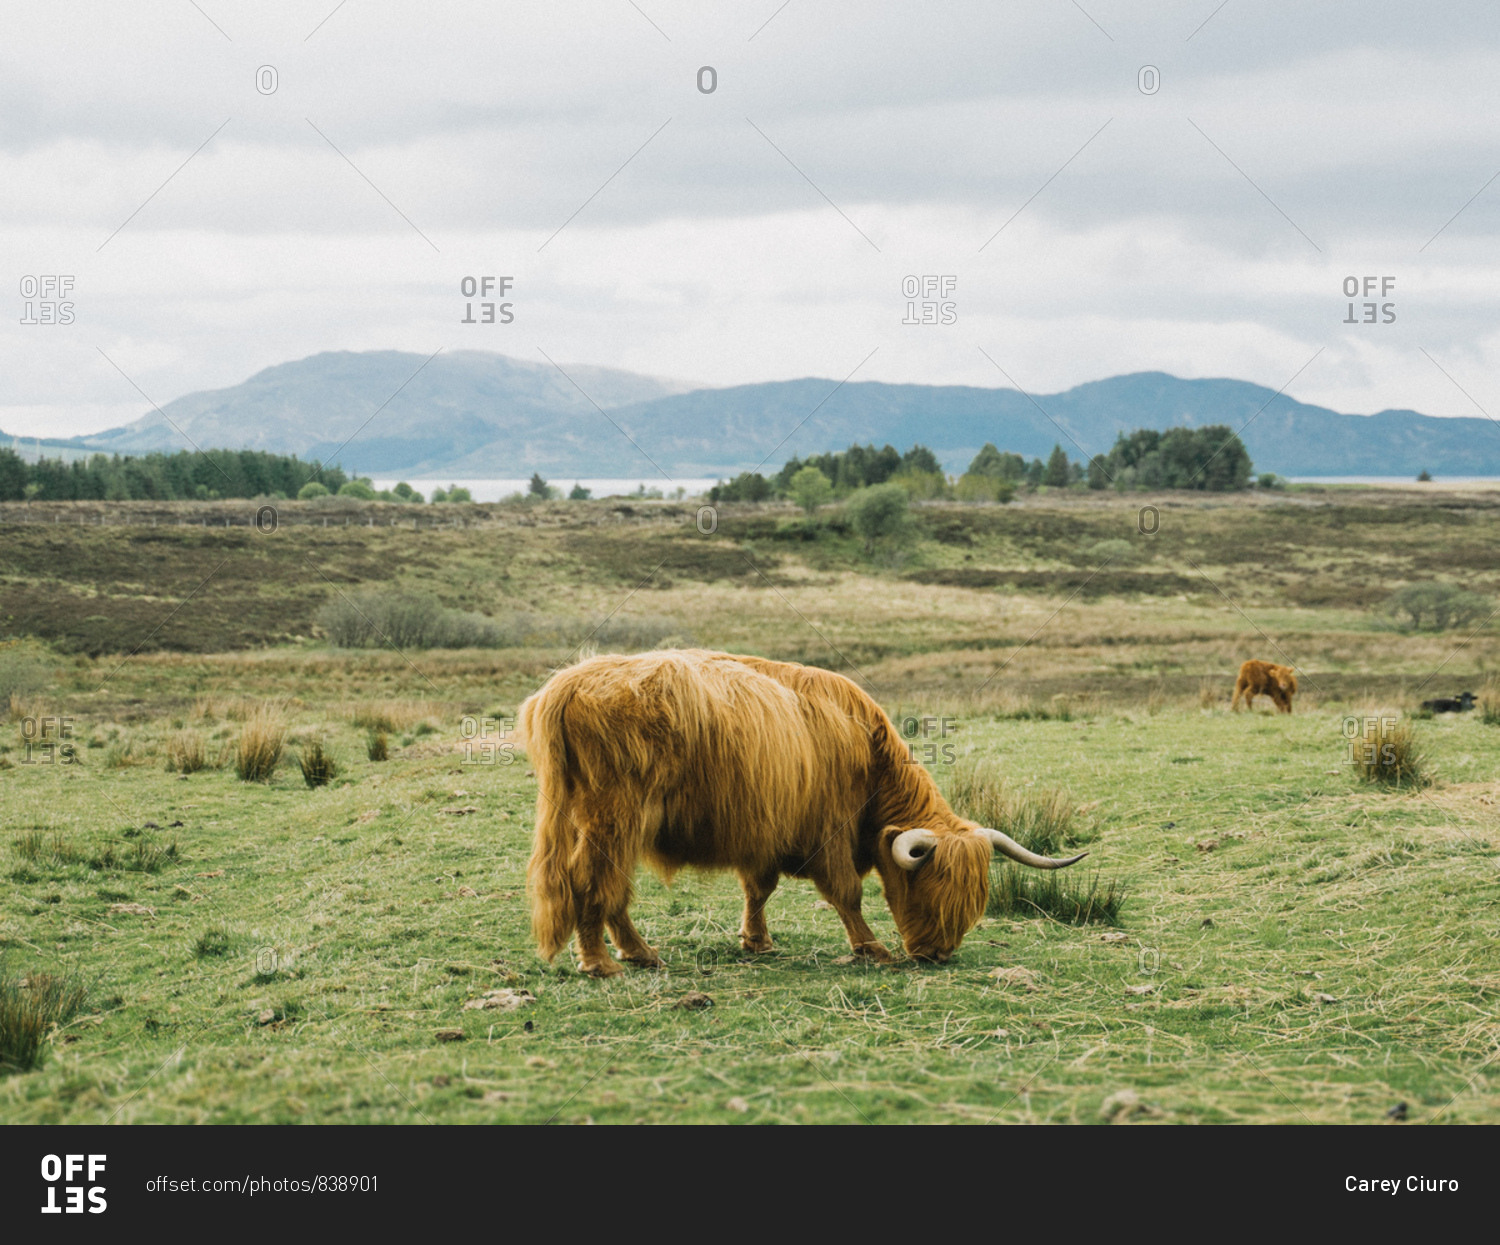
(1262,678)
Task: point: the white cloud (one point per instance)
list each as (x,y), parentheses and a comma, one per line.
(708,256)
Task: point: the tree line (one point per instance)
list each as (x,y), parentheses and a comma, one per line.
(193,475)
(1211,459)
(184,476)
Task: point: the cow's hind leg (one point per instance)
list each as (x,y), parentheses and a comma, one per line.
(601,891)
(754,936)
(628,942)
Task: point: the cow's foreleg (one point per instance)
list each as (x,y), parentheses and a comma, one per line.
(754,936)
(844,892)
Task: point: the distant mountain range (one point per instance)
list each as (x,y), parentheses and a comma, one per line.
(476,414)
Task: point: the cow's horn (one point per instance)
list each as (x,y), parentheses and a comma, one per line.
(1007,846)
(912,847)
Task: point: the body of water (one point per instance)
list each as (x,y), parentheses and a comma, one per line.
(1412,480)
(497,490)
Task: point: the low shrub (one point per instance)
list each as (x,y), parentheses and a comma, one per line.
(1436,607)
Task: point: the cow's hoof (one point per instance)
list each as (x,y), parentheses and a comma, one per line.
(756,945)
(649,960)
(874,951)
(601,968)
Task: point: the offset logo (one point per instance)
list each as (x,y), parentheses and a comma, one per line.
(484,287)
(66,1171)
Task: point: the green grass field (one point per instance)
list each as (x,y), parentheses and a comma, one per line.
(1294,945)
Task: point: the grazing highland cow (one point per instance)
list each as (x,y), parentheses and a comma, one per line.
(722,762)
(1262,678)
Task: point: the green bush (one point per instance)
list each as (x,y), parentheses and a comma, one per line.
(376,617)
(880,515)
(973,486)
(1116,552)
(922,485)
(1436,606)
(310,490)
(361,489)
(810,488)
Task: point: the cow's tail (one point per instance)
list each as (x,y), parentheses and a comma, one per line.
(549,876)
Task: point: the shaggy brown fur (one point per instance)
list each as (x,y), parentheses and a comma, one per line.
(767,768)
(1262,678)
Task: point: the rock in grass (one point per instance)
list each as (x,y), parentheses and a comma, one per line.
(1125,1105)
(694,1000)
(500,1000)
(1016,976)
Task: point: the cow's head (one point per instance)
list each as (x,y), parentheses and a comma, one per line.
(937,882)
(1285,679)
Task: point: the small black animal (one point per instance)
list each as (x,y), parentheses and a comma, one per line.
(1449,704)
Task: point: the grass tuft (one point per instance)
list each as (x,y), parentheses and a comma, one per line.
(59,852)
(1021,892)
(1388,753)
(1489,703)
(318,768)
(378,746)
(259,749)
(29,1008)
(186,753)
(212,943)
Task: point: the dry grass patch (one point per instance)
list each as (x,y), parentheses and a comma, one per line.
(1387,752)
(187,753)
(398,716)
(258,750)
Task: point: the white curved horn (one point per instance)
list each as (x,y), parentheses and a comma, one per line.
(1007,846)
(912,847)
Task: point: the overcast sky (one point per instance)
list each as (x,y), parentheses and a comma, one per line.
(761,230)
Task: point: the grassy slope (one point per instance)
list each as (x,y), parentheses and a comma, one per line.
(1386,904)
